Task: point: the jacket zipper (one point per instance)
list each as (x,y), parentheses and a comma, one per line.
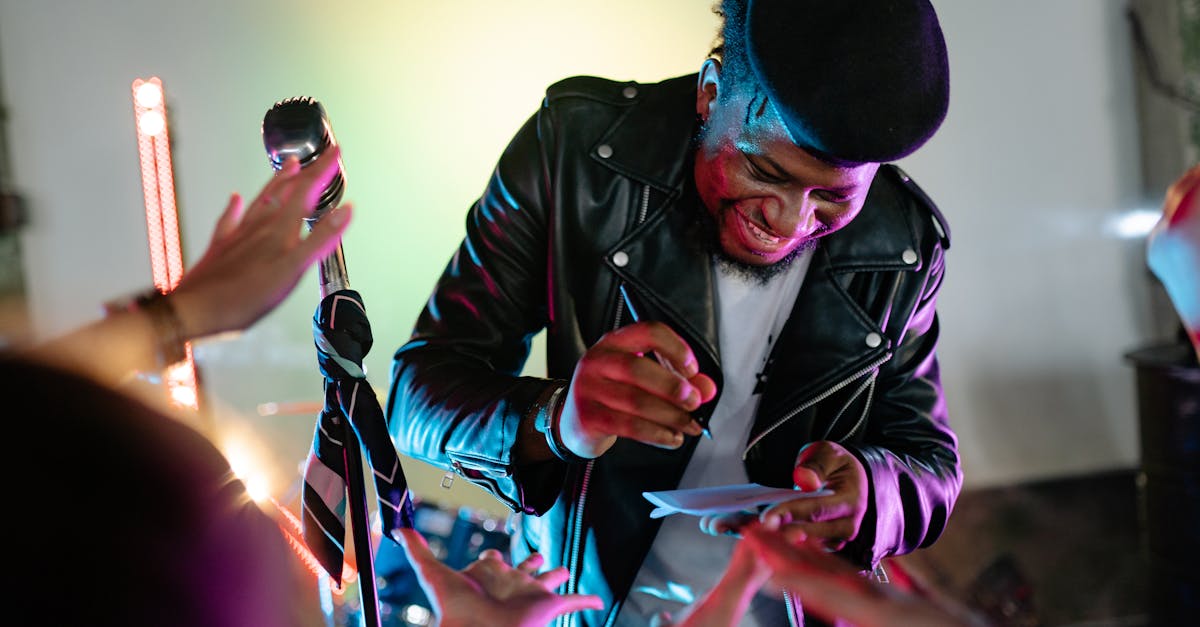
(577,530)
(816,399)
(869,386)
(641,217)
(788,602)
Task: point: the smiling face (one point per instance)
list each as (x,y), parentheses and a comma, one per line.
(767,196)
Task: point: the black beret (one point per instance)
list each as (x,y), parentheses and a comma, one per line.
(854,80)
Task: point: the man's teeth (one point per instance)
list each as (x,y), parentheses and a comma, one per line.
(762,235)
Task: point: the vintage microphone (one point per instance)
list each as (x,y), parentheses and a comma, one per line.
(299,127)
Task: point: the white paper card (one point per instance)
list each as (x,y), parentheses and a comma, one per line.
(722,499)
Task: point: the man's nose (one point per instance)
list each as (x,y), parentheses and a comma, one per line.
(791,217)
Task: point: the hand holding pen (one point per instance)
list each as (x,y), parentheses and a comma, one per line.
(616,391)
(665,363)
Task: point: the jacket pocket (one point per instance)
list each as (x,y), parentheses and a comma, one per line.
(488,474)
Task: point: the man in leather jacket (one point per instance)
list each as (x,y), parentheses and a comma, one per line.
(728,250)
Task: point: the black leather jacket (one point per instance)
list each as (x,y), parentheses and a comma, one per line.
(584,199)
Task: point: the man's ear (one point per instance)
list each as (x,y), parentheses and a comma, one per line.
(708,86)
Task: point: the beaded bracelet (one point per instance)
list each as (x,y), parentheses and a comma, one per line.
(169,342)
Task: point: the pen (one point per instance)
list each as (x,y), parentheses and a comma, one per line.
(659,358)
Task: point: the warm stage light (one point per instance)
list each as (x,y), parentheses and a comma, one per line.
(148,95)
(162,220)
(152,124)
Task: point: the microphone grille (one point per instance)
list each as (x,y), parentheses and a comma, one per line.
(296,127)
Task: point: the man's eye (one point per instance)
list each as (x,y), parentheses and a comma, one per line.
(762,174)
(837,199)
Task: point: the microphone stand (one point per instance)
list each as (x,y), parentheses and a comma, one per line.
(298,127)
(333,277)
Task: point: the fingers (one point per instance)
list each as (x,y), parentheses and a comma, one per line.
(531,564)
(814,457)
(625,409)
(415,546)
(806,479)
(428,568)
(834,518)
(616,359)
(319,174)
(726,524)
(230,217)
(569,603)
(656,337)
(491,554)
(273,193)
(818,509)
(299,188)
(832,535)
(705,386)
(621,389)
(600,418)
(553,578)
(790,557)
(326,233)
(834,467)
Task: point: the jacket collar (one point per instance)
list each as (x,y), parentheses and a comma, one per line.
(649,142)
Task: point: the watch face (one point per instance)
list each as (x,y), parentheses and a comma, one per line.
(545,406)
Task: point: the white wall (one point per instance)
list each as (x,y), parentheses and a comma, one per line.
(1039,150)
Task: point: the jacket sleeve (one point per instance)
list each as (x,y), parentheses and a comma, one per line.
(457,399)
(908,449)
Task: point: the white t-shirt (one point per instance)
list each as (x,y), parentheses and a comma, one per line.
(684,562)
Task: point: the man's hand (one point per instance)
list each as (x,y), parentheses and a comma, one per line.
(619,389)
(490,592)
(834,519)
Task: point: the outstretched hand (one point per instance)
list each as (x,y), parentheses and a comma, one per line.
(727,601)
(258,253)
(832,588)
(256,257)
(489,591)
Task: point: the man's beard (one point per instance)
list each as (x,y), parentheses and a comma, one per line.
(710,234)
(747,271)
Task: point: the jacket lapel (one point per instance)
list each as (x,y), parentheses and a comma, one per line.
(671,273)
(664,258)
(831,336)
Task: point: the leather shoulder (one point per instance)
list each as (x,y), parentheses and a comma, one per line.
(590,88)
(919,198)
